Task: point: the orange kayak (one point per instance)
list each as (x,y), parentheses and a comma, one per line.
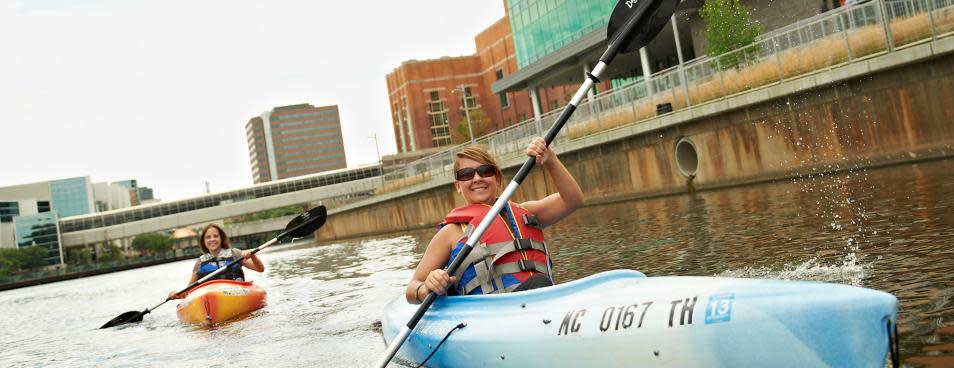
(219,301)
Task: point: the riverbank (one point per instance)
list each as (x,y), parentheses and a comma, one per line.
(69,272)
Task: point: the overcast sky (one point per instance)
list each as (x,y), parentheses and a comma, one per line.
(160,91)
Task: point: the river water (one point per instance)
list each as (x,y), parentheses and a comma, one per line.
(890,229)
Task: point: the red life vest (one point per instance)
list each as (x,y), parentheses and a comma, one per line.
(510,251)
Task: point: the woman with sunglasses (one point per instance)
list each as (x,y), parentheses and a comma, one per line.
(511,254)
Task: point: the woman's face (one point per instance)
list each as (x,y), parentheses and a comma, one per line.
(213,240)
(478,189)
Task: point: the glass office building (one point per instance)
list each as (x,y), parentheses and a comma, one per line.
(39,230)
(541,27)
(71,197)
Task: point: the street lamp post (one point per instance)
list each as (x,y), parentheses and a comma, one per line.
(470,130)
(378,150)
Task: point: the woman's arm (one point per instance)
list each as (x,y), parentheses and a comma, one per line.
(252,261)
(429,276)
(194,278)
(568,198)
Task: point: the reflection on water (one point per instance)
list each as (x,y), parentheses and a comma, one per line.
(890,229)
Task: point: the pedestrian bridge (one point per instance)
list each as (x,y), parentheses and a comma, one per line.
(331,188)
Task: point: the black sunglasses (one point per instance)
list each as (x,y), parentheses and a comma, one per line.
(485,171)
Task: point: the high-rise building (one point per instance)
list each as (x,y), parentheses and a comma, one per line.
(295,140)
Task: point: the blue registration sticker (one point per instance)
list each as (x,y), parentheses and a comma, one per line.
(719,308)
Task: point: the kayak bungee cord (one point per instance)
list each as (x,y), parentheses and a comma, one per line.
(459,325)
(893,347)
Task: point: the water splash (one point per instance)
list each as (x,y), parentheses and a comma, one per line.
(850,271)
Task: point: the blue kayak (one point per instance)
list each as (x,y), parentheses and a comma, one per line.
(624,319)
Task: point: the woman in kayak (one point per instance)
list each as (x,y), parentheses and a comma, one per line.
(511,255)
(216,253)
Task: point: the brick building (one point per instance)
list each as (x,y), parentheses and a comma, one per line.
(295,140)
(427,112)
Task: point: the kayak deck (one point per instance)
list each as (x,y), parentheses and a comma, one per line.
(218,301)
(622,318)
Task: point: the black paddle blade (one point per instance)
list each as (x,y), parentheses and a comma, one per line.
(128,317)
(653,15)
(306,223)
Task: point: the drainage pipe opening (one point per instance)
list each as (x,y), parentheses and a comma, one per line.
(687,160)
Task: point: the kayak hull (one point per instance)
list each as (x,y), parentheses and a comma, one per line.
(624,319)
(218,301)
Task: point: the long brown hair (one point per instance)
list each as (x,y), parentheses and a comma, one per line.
(480,154)
(222,235)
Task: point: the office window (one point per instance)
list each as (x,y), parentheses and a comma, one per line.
(471,102)
(504,101)
(540,27)
(437,117)
(71,196)
(8,210)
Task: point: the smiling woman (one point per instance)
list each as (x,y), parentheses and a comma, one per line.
(512,255)
(217,253)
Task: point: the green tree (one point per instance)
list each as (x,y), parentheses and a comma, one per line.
(78,256)
(13,260)
(109,253)
(9,261)
(728,28)
(480,123)
(33,257)
(152,243)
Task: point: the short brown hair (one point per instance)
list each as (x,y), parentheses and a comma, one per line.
(480,154)
(222,235)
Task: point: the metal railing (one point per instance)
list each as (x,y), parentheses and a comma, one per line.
(819,43)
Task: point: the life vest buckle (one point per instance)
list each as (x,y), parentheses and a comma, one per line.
(525,265)
(530,220)
(522,244)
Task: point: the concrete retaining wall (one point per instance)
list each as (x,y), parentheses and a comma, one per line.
(898,114)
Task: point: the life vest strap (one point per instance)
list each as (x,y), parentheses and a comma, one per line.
(503,248)
(485,274)
(497,250)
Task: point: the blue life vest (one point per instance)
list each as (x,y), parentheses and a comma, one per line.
(209,264)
